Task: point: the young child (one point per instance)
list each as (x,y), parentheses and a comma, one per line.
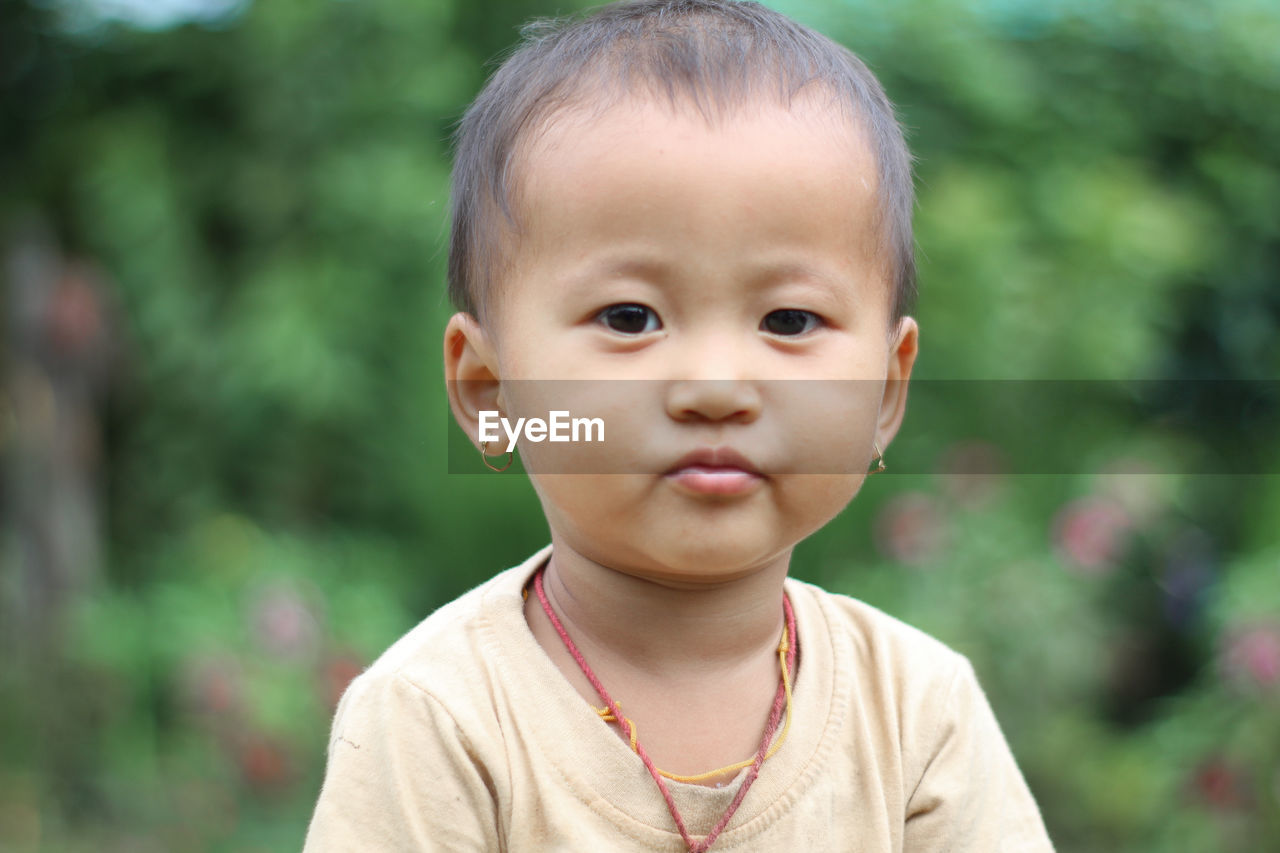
(706,196)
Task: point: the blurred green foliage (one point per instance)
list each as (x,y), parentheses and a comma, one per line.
(1099,197)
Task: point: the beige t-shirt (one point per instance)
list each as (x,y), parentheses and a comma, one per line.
(465,736)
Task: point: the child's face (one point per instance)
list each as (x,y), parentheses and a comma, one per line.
(725,265)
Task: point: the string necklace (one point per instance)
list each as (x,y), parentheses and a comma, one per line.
(786,655)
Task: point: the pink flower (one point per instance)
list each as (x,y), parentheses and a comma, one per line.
(1090,533)
(212,684)
(1219,785)
(284,624)
(1251,656)
(264,762)
(910,528)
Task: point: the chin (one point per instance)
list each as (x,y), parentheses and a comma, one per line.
(706,560)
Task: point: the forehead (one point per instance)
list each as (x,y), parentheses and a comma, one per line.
(639,123)
(640,164)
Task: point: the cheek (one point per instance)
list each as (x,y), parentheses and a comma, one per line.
(595,506)
(809,501)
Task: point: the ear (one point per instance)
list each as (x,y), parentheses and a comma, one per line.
(902,357)
(471,373)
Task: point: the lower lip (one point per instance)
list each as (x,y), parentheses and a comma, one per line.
(715,481)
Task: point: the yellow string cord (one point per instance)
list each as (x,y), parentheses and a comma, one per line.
(608,717)
(783,648)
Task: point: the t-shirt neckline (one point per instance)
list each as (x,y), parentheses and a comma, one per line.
(600,768)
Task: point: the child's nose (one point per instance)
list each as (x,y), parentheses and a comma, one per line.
(736,400)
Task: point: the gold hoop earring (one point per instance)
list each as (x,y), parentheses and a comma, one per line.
(877,464)
(484,457)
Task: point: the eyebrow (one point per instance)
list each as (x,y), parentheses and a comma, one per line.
(792,272)
(621,266)
(656,270)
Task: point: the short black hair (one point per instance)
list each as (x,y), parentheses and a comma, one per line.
(715,54)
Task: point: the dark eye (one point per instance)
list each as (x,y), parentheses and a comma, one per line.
(790,322)
(630,319)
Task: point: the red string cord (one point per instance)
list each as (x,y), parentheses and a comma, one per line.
(775,716)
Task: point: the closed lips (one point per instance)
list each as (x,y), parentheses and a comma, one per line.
(719,471)
(713,459)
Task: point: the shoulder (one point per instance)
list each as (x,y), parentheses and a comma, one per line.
(438,646)
(923,703)
(444,665)
(880,642)
(901,683)
(411,738)
(445,644)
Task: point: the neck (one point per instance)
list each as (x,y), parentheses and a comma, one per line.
(663,627)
